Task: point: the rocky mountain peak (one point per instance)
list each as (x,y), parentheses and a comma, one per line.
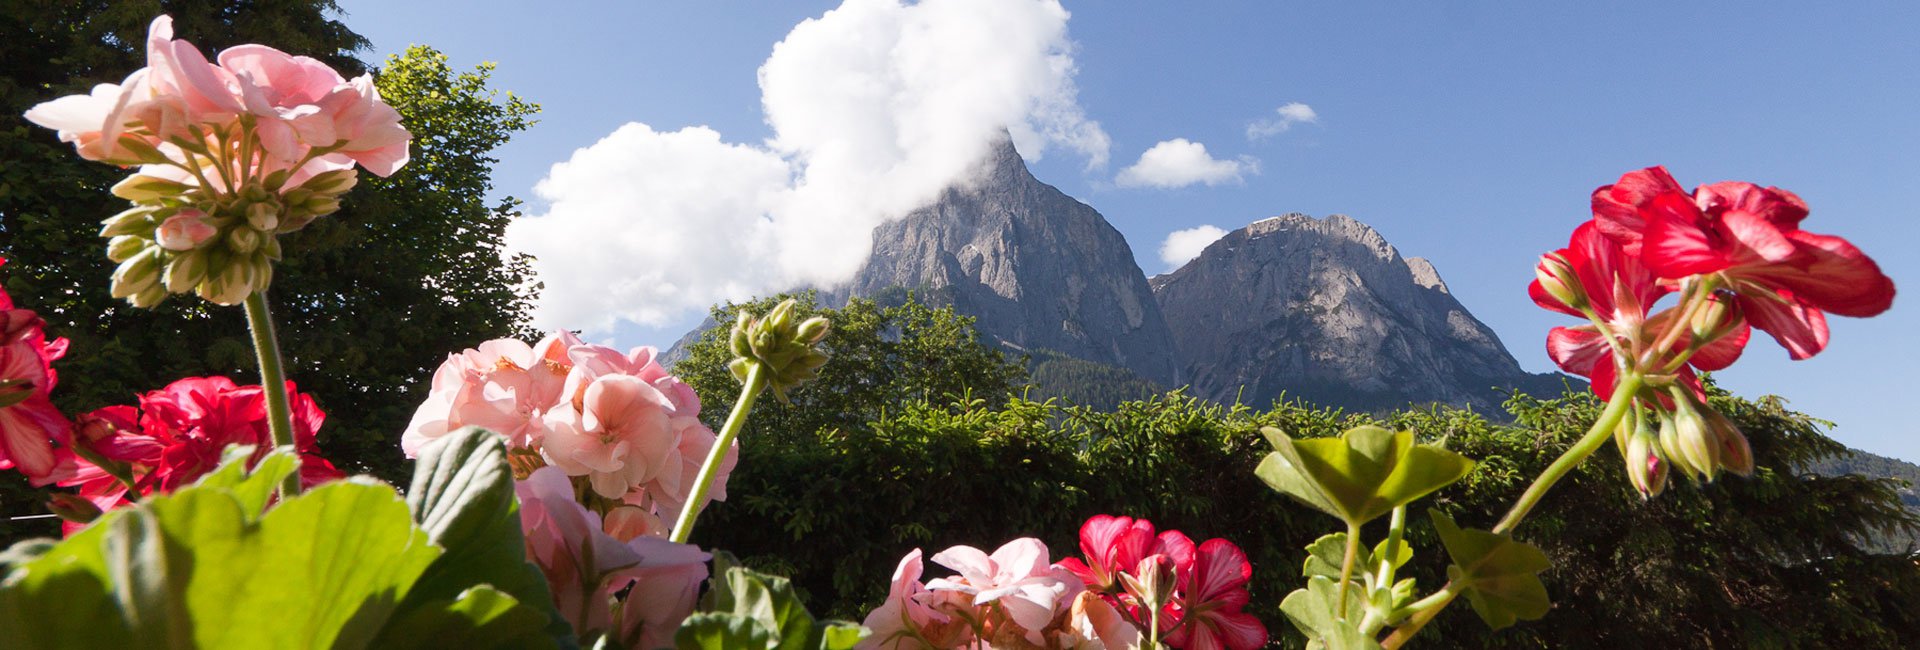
(1326,309)
(1036,268)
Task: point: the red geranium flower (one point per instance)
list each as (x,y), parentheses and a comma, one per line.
(1211,599)
(177,435)
(1621,291)
(1748,237)
(29,423)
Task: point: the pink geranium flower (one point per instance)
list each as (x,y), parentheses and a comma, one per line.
(1017,578)
(504,386)
(585,567)
(914,617)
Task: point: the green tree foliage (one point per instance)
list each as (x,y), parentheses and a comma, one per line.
(369,300)
(836,497)
(882,358)
(1086,383)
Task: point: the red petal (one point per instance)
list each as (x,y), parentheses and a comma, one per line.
(1760,237)
(1240,630)
(1546,300)
(1220,567)
(1799,328)
(1080,570)
(1677,243)
(1829,274)
(1577,349)
(1722,352)
(1177,547)
(1782,208)
(1616,207)
(1603,377)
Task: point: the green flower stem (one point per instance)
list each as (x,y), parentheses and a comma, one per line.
(274,380)
(1617,407)
(1423,613)
(755,383)
(1346,566)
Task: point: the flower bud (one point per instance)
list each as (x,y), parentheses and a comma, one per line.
(1556,276)
(124,247)
(185,230)
(141,188)
(255,193)
(276,180)
(134,221)
(143,151)
(151,296)
(1645,468)
(244,240)
(263,216)
(777,343)
(1152,581)
(228,287)
(321,206)
(1698,443)
(1713,319)
(813,330)
(1735,455)
(185,271)
(136,274)
(332,183)
(73,507)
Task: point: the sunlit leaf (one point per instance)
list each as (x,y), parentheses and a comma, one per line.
(1501,575)
(1366,472)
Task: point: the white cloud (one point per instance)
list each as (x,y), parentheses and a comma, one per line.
(875,106)
(1289,115)
(1180,162)
(1181,246)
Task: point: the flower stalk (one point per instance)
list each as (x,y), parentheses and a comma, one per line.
(273,382)
(756,382)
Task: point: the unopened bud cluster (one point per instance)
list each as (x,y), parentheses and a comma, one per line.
(185,238)
(1692,437)
(785,346)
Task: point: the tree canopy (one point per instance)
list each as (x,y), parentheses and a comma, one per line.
(369,300)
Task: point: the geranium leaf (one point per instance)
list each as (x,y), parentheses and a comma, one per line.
(1315,612)
(481,618)
(1366,472)
(723,631)
(462,495)
(1501,575)
(253,487)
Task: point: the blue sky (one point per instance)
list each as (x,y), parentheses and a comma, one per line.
(1467,133)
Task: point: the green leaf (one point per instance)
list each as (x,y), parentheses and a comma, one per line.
(481,618)
(770,603)
(196,569)
(1324,556)
(1500,575)
(1366,472)
(723,631)
(1316,613)
(462,496)
(254,488)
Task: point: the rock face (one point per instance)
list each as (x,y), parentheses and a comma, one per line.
(1036,268)
(1326,310)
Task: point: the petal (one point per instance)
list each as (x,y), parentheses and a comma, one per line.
(1799,328)
(1722,352)
(1779,207)
(1577,349)
(1219,568)
(1830,274)
(969,561)
(1678,243)
(1760,237)
(1616,207)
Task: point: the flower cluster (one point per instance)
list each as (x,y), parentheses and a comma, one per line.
(176,435)
(231,155)
(1734,256)
(1135,587)
(623,425)
(29,423)
(637,589)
